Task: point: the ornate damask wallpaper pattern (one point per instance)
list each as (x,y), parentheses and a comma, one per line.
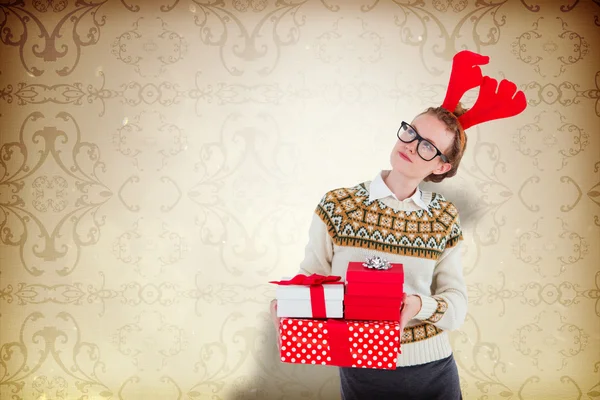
(160,161)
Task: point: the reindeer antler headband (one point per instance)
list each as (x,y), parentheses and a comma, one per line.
(491,103)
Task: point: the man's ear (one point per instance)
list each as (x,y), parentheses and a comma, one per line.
(442,169)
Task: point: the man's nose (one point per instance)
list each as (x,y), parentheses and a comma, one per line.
(412,146)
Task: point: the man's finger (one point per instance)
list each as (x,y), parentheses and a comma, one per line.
(276,321)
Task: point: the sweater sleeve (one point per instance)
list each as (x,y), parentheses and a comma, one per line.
(447,307)
(318,252)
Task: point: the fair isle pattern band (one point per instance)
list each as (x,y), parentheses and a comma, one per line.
(419,332)
(352,220)
(442,307)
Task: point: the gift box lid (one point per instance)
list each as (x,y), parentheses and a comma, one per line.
(359,273)
(332,292)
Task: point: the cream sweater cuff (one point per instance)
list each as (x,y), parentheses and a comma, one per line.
(428,307)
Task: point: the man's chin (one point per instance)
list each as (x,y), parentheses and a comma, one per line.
(402,170)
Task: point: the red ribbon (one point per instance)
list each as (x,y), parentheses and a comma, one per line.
(339,343)
(317,291)
(314,279)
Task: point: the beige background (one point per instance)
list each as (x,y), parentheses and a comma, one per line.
(160,162)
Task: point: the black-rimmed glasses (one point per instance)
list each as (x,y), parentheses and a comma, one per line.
(425,149)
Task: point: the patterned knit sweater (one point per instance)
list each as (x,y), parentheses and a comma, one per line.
(349,226)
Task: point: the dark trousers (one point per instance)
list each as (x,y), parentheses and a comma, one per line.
(431,381)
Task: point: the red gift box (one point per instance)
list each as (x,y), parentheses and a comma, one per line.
(373,294)
(358,344)
(353,300)
(372,313)
(372,308)
(362,281)
(390,290)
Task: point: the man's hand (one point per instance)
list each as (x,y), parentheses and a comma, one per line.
(411,305)
(275,320)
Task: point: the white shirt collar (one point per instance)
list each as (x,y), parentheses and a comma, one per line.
(379,190)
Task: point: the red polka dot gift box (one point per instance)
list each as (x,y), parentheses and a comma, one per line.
(358,344)
(374,293)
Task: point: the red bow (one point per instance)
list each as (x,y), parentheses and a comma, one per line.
(317,292)
(310,280)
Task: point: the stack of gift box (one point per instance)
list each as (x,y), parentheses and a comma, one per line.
(355,323)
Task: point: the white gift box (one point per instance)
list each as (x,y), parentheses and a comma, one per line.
(294,301)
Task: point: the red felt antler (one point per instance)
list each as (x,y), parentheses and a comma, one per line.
(492,104)
(465,75)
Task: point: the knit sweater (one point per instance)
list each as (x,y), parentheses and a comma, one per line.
(423,233)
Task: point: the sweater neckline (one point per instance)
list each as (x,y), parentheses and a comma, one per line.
(407,205)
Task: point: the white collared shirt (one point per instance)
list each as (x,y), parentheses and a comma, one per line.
(379,190)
